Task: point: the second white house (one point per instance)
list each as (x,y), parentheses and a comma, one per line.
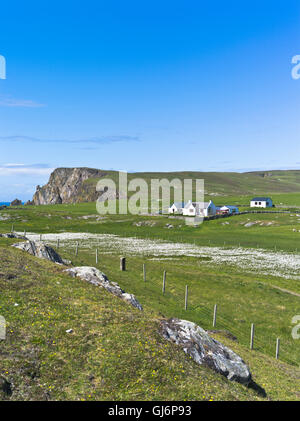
(199,209)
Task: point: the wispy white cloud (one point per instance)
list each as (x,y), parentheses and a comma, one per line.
(90,140)
(23,169)
(7,101)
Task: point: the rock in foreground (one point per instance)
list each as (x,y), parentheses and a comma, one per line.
(39,249)
(205,350)
(95,277)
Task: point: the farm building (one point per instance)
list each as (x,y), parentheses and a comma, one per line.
(261,202)
(227,210)
(199,209)
(177,207)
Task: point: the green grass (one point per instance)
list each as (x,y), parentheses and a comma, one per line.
(114,353)
(225,183)
(53,218)
(280,200)
(242,297)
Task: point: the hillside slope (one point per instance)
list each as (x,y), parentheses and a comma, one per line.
(114,353)
(74,185)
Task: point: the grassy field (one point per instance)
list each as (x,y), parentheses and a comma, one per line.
(280,200)
(115,352)
(225,183)
(243,297)
(269,231)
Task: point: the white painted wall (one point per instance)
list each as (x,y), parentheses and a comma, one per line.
(261,204)
(189,210)
(174,209)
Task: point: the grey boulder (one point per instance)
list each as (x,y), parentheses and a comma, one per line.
(41,250)
(249,224)
(98,278)
(205,350)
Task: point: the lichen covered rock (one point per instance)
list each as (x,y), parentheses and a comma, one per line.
(98,278)
(205,350)
(41,250)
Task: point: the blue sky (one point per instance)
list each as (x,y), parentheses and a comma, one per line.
(147,86)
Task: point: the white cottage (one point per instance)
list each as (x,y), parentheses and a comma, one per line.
(261,202)
(199,209)
(176,208)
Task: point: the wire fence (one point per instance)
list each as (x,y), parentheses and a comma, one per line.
(203,315)
(174,302)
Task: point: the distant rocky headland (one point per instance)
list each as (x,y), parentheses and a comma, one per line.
(68,185)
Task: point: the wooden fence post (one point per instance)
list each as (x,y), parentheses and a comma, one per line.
(215,315)
(40,237)
(76,251)
(277,348)
(164,282)
(252,336)
(123,264)
(12,228)
(186,297)
(57,245)
(144,271)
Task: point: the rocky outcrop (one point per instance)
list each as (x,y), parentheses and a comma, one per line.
(41,250)
(67,185)
(196,342)
(95,277)
(16,202)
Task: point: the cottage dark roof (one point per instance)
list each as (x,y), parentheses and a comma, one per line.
(260,199)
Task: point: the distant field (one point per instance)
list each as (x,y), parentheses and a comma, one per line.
(280,200)
(268,231)
(230,188)
(231,184)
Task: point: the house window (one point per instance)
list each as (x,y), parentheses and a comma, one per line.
(256,203)
(259,203)
(191,210)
